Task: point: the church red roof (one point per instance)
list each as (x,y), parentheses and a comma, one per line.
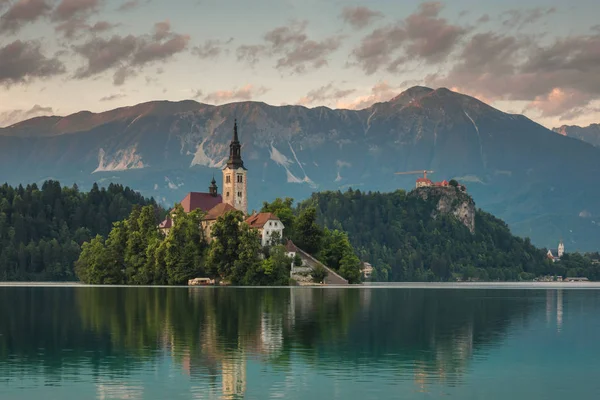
(166,224)
(424,180)
(203,201)
(259,220)
(218,211)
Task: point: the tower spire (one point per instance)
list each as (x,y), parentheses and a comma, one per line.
(235,132)
(235,150)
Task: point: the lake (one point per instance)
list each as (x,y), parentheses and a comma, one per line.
(298,343)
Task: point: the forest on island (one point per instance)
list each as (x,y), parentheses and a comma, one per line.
(111,235)
(136,252)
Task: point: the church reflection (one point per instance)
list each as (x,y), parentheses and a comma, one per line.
(215,336)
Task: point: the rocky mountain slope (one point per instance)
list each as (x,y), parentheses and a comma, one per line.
(536,180)
(590,134)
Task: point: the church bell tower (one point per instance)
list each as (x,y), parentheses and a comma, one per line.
(234,176)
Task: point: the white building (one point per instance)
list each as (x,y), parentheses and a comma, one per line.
(268,225)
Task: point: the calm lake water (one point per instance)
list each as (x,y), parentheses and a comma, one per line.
(301,343)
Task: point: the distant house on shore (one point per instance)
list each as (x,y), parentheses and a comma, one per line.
(366,270)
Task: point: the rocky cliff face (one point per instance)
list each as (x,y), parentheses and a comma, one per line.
(450,200)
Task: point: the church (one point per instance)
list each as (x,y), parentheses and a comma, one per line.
(234,197)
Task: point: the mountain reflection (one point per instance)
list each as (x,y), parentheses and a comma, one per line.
(212,335)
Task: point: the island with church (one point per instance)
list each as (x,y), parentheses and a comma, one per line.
(431,233)
(209,238)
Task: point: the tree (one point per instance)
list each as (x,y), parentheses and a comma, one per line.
(453,182)
(308,234)
(185,247)
(225,244)
(319,273)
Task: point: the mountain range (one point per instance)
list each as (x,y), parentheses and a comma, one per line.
(590,134)
(538,181)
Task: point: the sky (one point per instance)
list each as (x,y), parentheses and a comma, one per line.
(539,58)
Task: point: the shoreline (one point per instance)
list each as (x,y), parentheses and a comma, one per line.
(382,285)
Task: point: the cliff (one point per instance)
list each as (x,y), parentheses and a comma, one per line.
(450,200)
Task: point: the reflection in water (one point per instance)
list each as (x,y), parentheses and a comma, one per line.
(232,343)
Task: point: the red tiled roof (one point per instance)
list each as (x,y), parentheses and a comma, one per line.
(424,180)
(203,201)
(218,211)
(259,220)
(290,247)
(166,224)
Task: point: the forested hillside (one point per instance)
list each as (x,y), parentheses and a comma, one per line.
(397,234)
(42,229)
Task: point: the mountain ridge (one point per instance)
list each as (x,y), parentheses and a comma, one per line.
(515,168)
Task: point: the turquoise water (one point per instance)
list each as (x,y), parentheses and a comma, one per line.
(301,343)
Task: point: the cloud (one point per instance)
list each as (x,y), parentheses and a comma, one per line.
(197,94)
(381,92)
(521,18)
(423,35)
(210,49)
(68,9)
(126,55)
(162,30)
(128,5)
(21,13)
(359,17)
(325,94)
(245,93)
(112,97)
(555,78)
(8,118)
(22,61)
(296,51)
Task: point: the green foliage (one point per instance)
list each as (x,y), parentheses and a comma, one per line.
(330,247)
(308,234)
(319,273)
(283,209)
(42,230)
(136,253)
(453,182)
(397,235)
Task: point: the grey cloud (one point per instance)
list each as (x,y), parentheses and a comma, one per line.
(245,93)
(128,5)
(210,49)
(325,94)
(101,26)
(422,35)
(127,54)
(112,97)
(359,17)
(68,9)
(521,18)
(295,50)
(121,74)
(23,12)
(21,61)
(251,54)
(162,30)
(8,118)
(555,79)
(483,19)
(148,52)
